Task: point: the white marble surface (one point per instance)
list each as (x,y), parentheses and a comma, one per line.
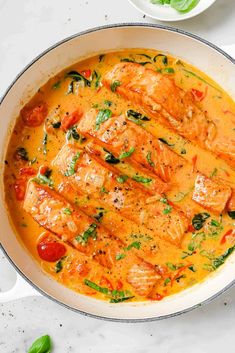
(26,28)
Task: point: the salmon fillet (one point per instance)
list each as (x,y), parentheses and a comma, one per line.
(120,135)
(48,209)
(142,277)
(211,195)
(171,106)
(55,214)
(95,179)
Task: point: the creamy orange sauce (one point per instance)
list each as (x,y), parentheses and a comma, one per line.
(180,266)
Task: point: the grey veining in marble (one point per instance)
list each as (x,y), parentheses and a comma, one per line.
(27,27)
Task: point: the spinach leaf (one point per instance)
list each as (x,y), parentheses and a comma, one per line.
(218,261)
(96,78)
(56,125)
(231,214)
(71,170)
(184,5)
(164,58)
(90,232)
(120,256)
(72,133)
(122,178)
(44,178)
(127,153)
(114,85)
(109,158)
(21,153)
(149,160)
(199,220)
(166,142)
(100,214)
(41,345)
(103,115)
(200,78)
(135,244)
(128,60)
(67,211)
(136,115)
(168,70)
(101,57)
(76,76)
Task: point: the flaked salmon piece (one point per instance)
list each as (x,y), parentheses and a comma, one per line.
(171,106)
(120,135)
(55,214)
(95,179)
(143,277)
(231,202)
(211,195)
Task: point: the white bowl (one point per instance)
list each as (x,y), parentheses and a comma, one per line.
(166,12)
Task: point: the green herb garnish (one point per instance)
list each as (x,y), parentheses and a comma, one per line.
(44,142)
(109,158)
(135,244)
(141,179)
(67,211)
(114,85)
(199,220)
(122,178)
(71,169)
(72,133)
(136,115)
(127,153)
(56,85)
(166,142)
(22,154)
(231,214)
(149,160)
(90,232)
(120,256)
(103,115)
(76,76)
(41,345)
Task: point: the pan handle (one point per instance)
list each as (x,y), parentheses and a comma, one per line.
(21,289)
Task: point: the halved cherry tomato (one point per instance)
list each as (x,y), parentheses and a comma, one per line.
(86,73)
(34,116)
(27,171)
(69,120)
(106,283)
(199,95)
(230,232)
(157,297)
(20,188)
(51,251)
(119,284)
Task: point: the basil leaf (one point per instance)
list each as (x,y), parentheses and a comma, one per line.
(101,57)
(44,179)
(56,125)
(218,261)
(128,60)
(114,85)
(149,160)
(56,85)
(41,345)
(168,70)
(127,153)
(67,211)
(120,256)
(96,78)
(199,220)
(58,266)
(166,142)
(141,179)
(22,154)
(103,115)
(122,178)
(231,214)
(135,244)
(96,287)
(164,58)
(71,170)
(90,232)
(184,5)
(72,133)
(119,300)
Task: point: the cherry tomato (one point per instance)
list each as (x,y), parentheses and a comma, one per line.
(119,284)
(197,95)
(157,297)
(229,233)
(70,119)
(43,169)
(35,116)
(86,73)
(20,188)
(51,251)
(27,171)
(104,282)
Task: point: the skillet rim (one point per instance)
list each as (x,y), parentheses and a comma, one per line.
(32,62)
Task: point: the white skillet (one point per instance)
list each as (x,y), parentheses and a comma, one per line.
(207,57)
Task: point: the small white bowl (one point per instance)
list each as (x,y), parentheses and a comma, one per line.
(166,12)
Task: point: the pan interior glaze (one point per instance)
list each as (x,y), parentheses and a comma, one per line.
(65,54)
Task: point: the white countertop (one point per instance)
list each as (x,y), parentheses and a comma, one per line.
(27,27)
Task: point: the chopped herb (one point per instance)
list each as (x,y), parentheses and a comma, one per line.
(44,142)
(34,160)
(127,153)
(214,228)
(101,57)
(90,232)
(56,125)
(41,345)
(96,78)
(100,214)
(59,264)
(103,190)
(166,142)
(214,173)
(95,105)
(76,76)
(199,220)
(113,300)
(179,278)
(167,280)
(56,85)
(167,210)
(174,267)
(103,115)
(168,70)
(114,85)
(22,153)
(218,261)
(109,158)
(231,214)
(135,244)
(72,133)
(71,169)
(192,268)
(67,211)
(44,179)
(183,151)
(136,115)
(108,103)
(122,178)
(120,256)
(149,160)
(128,60)
(96,287)
(141,179)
